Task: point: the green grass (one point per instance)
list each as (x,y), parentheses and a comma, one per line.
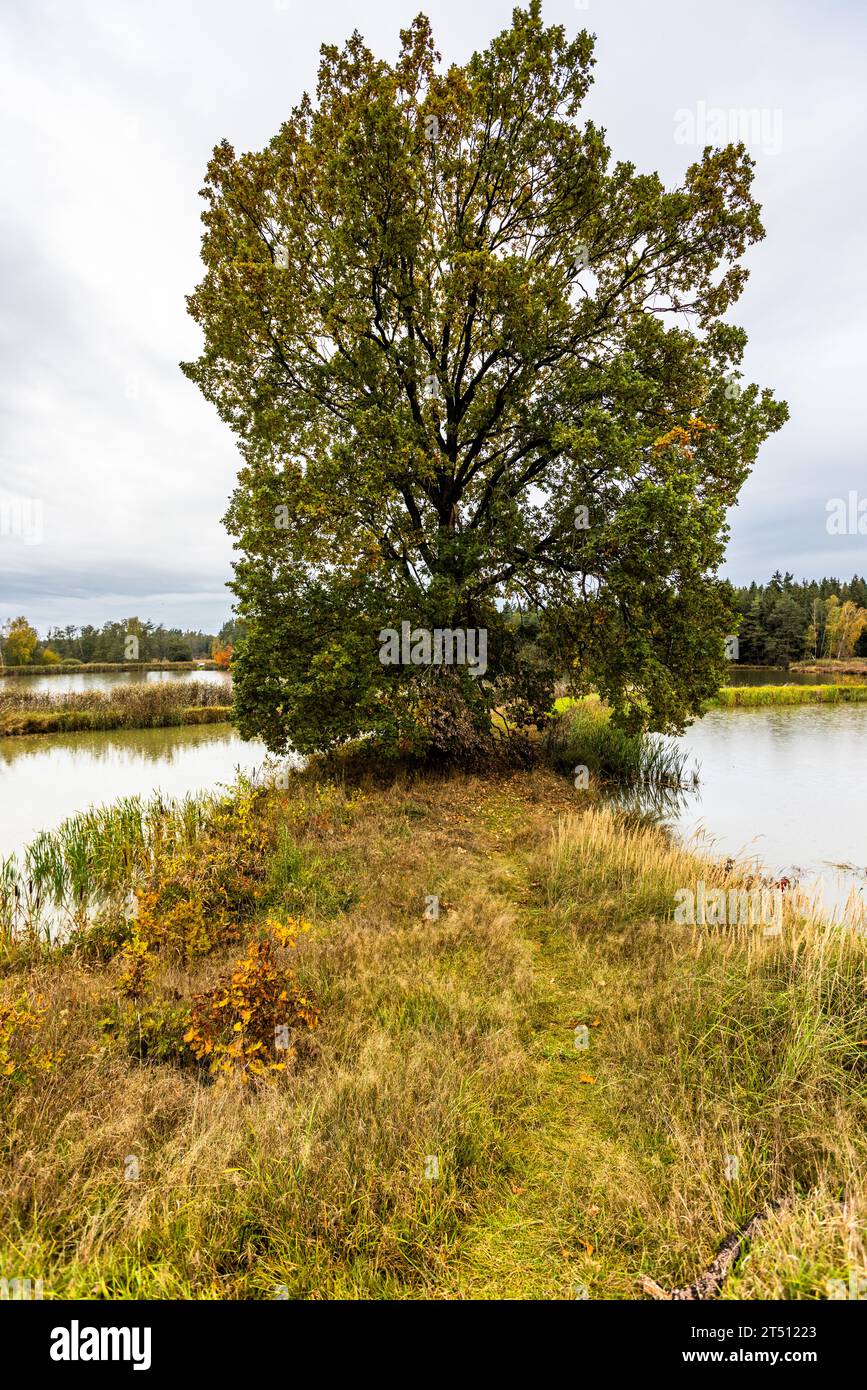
(754,696)
(583,735)
(450,1037)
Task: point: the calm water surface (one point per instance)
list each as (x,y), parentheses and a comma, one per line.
(787,787)
(67,681)
(46,777)
(784,786)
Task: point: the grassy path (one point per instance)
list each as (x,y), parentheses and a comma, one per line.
(442,1136)
(604,1185)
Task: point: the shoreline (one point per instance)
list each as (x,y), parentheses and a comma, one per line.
(19,721)
(762,696)
(23,723)
(74,668)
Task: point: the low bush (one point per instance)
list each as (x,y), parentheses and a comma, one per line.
(243,1025)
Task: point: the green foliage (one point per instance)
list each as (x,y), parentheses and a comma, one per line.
(784,621)
(109,642)
(23,1053)
(152,1032)
(584,735)
(754,696)
(18,642)
(441,320)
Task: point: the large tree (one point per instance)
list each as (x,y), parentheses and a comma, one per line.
(469,359)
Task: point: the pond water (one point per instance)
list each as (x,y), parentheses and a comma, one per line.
(46,777)
(773,675)
(783,785)
(66,682)
(787,787)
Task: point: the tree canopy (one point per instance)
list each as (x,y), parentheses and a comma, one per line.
(471,359)
(784,621)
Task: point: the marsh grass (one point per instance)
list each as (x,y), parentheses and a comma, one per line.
(142,705)
(92,860)
(756,696)
(583,734)
(453,1038)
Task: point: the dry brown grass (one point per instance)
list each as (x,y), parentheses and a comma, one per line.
(453,1039)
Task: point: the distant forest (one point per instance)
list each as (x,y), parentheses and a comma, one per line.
(155,642)
(785,620)
(782,621)
(20,644)
(107,643)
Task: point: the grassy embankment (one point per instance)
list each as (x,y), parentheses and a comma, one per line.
(451,1039)
(147,705)
(754,696)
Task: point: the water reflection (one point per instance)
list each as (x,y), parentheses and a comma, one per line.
(66,682)
(773,675)
(45,778)
(784,787)
(655,803)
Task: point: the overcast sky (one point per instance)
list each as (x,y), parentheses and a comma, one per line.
(109,111)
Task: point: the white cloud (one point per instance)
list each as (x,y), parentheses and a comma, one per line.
(109,110)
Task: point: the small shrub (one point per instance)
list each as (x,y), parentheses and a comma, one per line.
(136,974)
(238,1027)
(21,1054)
(152,1034)
(100,940)
(197,896)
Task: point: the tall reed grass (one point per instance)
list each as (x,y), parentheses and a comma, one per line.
(584,735)
(755,696)
(92,858)
(138,706)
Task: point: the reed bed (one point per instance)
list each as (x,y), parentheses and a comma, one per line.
(583,735)
(755,696)
(93,858)
(65,667)
(142,705)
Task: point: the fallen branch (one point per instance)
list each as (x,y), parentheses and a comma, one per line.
(709,1284)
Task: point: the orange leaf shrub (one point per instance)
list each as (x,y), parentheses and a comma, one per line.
(198,895)
(21,1056)
(243,1025)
